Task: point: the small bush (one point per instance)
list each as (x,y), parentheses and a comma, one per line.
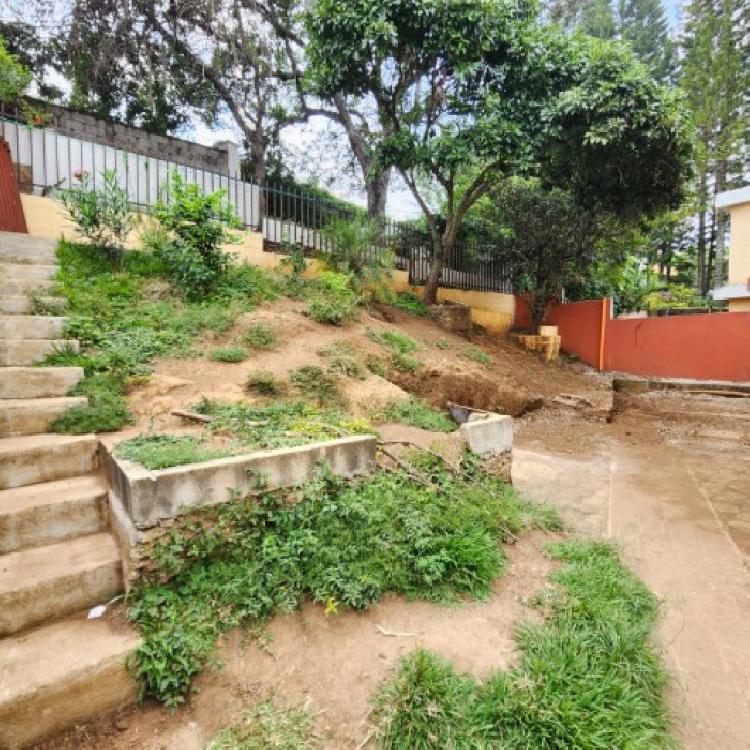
(394,341)
(259,336)
(316,384)
(376,365)
(101,214)
(106,411)
(410,303)
(162,451)
(344,365)
(333,302)
(264,383)
(443,344)
(477,355)
(230,355)
(417,413)
(405,363)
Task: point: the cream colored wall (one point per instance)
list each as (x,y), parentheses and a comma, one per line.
(494,311)
(739,244)
(739,305)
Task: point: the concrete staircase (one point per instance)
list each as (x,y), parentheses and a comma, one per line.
(57,557)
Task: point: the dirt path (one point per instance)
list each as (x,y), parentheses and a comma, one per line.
(677,505)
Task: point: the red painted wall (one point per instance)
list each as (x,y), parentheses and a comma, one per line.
(704,347)
(579,325)
(11,210)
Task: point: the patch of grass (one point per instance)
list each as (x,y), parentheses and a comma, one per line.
(345,348)
(259,336)
(443,343)
(264,383)
(342,364)
(417,413)
(396,342)
(106,410)
(333,301)
(588,676)
(266,727)
(342,543)
(316,384)
(162,451)
(376,365)
(476,354)
(122,328)
(410,303)
(230,354)
(405,363)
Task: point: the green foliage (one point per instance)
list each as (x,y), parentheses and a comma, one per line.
(476,354)
(410,303)
(14,77)
(259,336)
(443,344)
(376,365)
(342,544)
(264,383)
(101,214)
(342,364)
(333,301)
(192,228)
(395,341)
(316,384)
(417,413)
(161,451)
(266,727)
(122,328)
(230,355)
(672,296)
(588,676)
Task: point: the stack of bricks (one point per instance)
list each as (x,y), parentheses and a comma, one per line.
(547,341)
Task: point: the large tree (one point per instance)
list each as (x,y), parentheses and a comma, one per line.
(474,91)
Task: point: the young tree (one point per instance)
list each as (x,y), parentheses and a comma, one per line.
(473,91)
(644,25)
(14,77)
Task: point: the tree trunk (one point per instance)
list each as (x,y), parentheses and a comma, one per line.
(539,301)
(436,268)
(377,193)
(701,274)
(721,227)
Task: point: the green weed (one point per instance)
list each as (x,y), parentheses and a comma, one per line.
(396,342)
(106,410)
(230,354)
(333,301)
(588,676)
(443,343)
(316,384)
(266,727)
(376,365)
(405,363)
(342,364)
(417,413)
(410,303)
(162,451)
(264,383)
(476,354)
(342,544)
(259,336)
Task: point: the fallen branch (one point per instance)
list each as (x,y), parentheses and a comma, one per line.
(194,416)
(393,633)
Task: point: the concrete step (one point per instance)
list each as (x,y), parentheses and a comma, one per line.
(12,286)
(38,271)
(31,327)
(38,382)
(39,584)
(22,304)
(21,352)
(24,248)
(30,416)
(61,675)
(52,512)
(43,458)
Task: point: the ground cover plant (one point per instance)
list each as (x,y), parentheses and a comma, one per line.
(476,354)
(417,413)
(126,317)
(410,303)
(264,383)
(331,299)
(427,533)
(162,451)
(229,354)
(588,677)
(259,336)
(316,384)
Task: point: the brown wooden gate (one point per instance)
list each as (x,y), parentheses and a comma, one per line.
(11,209)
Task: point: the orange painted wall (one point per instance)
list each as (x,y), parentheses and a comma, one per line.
(704,347)
(579,325)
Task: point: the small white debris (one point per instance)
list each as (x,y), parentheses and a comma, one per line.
(96,612)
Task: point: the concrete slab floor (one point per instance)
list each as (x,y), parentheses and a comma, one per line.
(670,507)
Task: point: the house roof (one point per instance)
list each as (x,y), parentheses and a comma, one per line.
(733,197)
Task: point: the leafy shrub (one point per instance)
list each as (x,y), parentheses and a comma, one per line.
(443,343)
(588,675)
(415,412)
(259,336)
(101,214)
(106,410)
(344,365)
(162,451)
(405,363)
(410,303)
(230,355)
(477,355)
(264,383)
(395,341)
(192,228)
(316,384)
(343,544)
(333,301)
(376,365)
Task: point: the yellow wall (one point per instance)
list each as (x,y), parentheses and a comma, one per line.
(494,311)
(739,305)
(739,244)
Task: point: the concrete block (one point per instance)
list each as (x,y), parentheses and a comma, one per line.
(150,496)
(30,416)
(25,248)
(13,286)
(31,327)
(43,458)
(62,675)
(488,435)
(22,352)
(43,583)
(30,271)
(38,382)
(21,304)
